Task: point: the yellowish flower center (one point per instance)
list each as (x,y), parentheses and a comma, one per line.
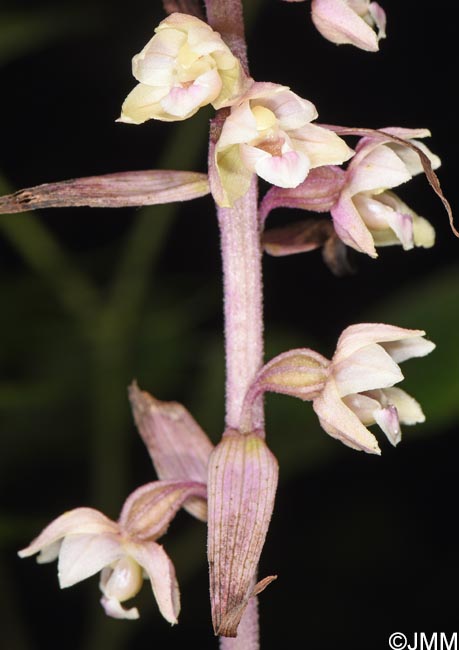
(264,118)
(186,56)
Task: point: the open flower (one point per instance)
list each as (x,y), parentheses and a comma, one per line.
(184,66)
(85,542)
(355,22)
(269,132)
(367,214)
(359,390)
(356,388)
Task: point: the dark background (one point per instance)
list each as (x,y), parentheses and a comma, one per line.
(363,546)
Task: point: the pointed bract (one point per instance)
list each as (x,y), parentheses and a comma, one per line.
(177,445)
(242,485)
(124,189)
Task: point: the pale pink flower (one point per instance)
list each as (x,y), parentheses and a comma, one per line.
(184,66)
(367,214)
(85,542)
(359,390)
(355,22)
(356,388)
(269,132)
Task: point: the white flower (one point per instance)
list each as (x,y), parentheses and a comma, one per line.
(350,22)
(367,214)
(184,66)
(85,542)
(269,132)
(359,390)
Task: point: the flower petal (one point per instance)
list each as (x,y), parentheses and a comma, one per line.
(114,609)
(148,511)
(365,369)
(288,170)
(387,419)
(350,227)
(155,63)
(340,422)
(182,102)
(161,573)
(387,225)
(142,104)
(78,521)
(240,126)
(409,348)
(81,556)
(358,336)
(320,145)
(340,24)
(291,110)
(423,232)
(409,410)
(379,169)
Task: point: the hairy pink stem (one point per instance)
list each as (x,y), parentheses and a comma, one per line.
(243,297)
(226,17)
(241,254)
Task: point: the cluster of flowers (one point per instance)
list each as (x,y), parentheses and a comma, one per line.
(350,392)
(266,130)
(269,130)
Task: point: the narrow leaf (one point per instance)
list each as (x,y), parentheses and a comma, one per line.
(117,190)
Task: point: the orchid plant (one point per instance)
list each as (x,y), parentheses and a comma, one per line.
(261,129)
